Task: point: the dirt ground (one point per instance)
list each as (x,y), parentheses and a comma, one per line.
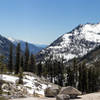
(92,96)
(33,98)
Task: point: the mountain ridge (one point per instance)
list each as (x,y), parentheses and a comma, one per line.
(33,48)
(76,43)
(4,47)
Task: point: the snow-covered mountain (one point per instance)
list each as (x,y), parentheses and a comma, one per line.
(76,43)
(32,47)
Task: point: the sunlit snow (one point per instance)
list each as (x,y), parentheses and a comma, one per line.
(76,43)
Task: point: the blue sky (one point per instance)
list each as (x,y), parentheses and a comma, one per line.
(42,21)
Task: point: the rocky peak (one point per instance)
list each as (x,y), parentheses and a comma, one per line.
(75,43)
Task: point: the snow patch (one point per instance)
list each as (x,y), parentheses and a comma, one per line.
(32,84)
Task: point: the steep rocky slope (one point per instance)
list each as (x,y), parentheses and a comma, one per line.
(92,57)
(76,43)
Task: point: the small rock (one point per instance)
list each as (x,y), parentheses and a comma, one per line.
(71,91)
(52,91)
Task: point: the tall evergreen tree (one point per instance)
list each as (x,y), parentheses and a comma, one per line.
(17,65)
(20,76)
(55,70)
(1,82)
(51,71)
(10,60)
(93,79)
(44,69)
(26,58)
(84,78)
(80,77)
(39,69)
(72,72)
(22,62)
(60,73)
(1,72)
(32,64)
(90,79)
(70,76)
(96,71)
(75,71)
(50,68)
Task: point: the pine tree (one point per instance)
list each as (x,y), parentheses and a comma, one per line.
(44,70)
(1,84)
(72,72)
(50,68)
(20,76)
(75,71)
(1,72)
(93,79)
(10,60)
(70,76)
(60,73)
(39,69)
(26,58)
(5,68)
(90,79)
(51,72)
(80,78)
(22,62)
(17,65)
(96,79)
(55,70)
(32,64)
(84,78)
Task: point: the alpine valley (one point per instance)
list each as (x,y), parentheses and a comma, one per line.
(33,48)
(5,46)
(76,43)
(24,77)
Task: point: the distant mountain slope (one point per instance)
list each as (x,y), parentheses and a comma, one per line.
(92,57)
(41,45)
(76,43)
(32,47)
(4,47)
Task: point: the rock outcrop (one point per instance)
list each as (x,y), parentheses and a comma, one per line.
(62,97)
(14,91)
(52,91)
(32,85)
(71,91)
